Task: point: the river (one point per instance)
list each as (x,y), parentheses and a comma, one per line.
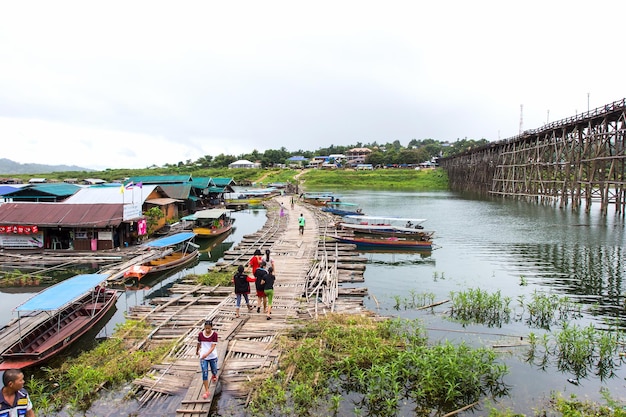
(517,248)
(514,247)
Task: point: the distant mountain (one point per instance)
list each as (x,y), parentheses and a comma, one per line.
(8,167)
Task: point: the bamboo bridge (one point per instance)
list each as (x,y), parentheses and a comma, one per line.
(311,271)
(580,159)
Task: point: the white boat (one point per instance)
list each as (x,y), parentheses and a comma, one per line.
(386,226)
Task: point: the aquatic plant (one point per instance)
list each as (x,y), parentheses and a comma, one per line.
(17,278)
(492,309)
(384,365)
(414,300)
(212,278)
(523,281)
(572,406)
(545,310)
(477,306)
(578,351)
(77,380)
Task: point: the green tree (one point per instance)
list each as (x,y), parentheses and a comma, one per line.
(375,158)
(153,215)
(273,156)
(204,161)
(222,161)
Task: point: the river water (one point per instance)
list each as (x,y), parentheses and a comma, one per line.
(517,248)
(514,247)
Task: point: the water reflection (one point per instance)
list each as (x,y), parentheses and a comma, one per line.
(213,249)
(398,258)
(518,249)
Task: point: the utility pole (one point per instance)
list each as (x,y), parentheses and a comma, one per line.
(548,117)
(587,102)
(521,118)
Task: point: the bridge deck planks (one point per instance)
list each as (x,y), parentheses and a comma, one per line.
(247,347)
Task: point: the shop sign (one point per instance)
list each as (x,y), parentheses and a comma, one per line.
(19,229)
(34,240)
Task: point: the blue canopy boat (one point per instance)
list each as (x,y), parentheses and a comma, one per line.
(70,308)
(342,209)
(178,251)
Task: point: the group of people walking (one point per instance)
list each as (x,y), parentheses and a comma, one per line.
(262,272)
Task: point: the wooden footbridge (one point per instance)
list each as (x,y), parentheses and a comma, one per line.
(309,271)
(574,160)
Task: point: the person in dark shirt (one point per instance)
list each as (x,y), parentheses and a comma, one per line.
(269,280)
(242,287)
(14,400)
(259,274)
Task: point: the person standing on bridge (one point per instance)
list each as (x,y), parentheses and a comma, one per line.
(255,261)
(207,349)
(242,288)
(269,261)
(260,274)
(301,223)
(268,282)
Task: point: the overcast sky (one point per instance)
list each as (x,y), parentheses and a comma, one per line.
(128,84)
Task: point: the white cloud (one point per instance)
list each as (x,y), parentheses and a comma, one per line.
(131,84)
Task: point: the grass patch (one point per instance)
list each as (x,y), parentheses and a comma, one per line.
(383,366)
(77,381)
(385,179)
(216,277)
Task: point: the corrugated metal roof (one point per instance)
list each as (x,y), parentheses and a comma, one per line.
(223,182)
(161,179)
(161,201)
(7,189)
(60,189)
(111,194)
(217,190)
(202,182)
(62,214)
(179,191)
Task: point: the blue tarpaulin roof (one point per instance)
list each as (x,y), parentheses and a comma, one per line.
(171,240)
(63,293)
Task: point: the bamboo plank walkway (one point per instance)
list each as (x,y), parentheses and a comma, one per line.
(308,272)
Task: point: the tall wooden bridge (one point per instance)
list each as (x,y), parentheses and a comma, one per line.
(574,160)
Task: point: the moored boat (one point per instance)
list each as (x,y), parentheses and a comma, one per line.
(319,199)
(341,208)
(386,243)
(70,308)
(211,222)
(400,227)
(254,196)
(178,250)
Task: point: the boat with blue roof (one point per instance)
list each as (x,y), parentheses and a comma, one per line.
(172,252)
(50,321)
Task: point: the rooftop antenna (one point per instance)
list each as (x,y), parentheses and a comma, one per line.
(521,118)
